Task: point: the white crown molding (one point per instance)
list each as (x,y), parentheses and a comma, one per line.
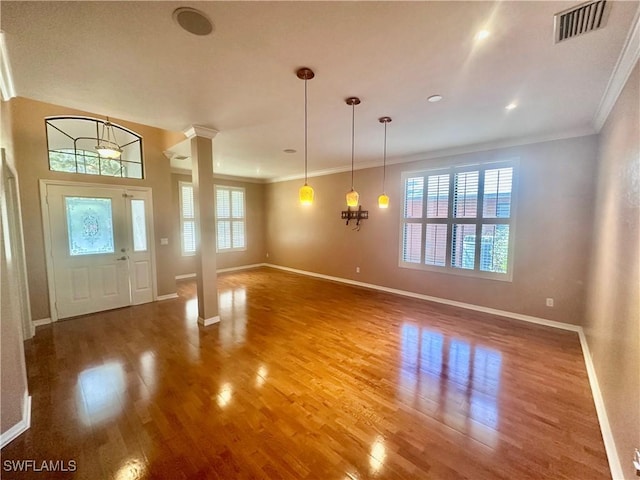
(624,66)
(7,89)
(447,152)
(180,171)
(200,131)
(220,176)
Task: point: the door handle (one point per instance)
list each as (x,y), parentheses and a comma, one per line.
(124,257)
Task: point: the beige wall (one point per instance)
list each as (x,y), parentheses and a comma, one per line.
(30,146)
(553,225)
(13,376)
(613,305)
(256,214)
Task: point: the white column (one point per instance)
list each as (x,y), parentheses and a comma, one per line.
(205,207)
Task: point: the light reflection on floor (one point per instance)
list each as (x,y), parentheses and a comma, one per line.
(451,380)
(191,310)
(148,374)
(233,315)
(377,455)
(232,307)
(132,469)
(224,395)
(99,391)
(261,376)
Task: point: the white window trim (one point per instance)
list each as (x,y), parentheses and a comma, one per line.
(447,268)
(183,218)
(231,218)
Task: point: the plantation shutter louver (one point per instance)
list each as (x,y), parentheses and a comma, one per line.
(187,219)
(459,220)
(230,218)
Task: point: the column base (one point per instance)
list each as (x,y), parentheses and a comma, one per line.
(205,322)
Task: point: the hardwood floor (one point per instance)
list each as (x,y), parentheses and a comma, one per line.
(308,379)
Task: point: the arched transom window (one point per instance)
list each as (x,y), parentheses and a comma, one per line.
(72,142)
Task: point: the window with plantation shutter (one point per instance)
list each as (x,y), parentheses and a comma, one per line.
(230,219)
(459,220)
(187,219)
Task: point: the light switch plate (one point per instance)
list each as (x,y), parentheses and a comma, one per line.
(164,241)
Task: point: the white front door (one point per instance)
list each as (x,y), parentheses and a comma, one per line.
(99,246)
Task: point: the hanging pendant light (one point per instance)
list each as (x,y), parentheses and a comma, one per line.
(306,192)
(383,200)
(352,195)
(108,148)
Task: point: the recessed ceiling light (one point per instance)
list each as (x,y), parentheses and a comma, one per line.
(289,150)
(193,21)
(511,106)
(434,98)
(482,34)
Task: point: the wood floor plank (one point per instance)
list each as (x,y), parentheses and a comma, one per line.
(308,379)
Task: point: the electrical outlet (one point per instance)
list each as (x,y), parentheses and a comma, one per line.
(357,269)
(549,302)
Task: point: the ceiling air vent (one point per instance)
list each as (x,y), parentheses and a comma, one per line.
(580,19)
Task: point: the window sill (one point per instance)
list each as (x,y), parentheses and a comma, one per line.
(501,277)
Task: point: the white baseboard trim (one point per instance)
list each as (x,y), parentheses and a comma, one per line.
(607,434)
(224,270)
(20,427)
(241,267)
(185,276)
(603,420)
(41,321)
(168,296)
(205,322)
(468,306)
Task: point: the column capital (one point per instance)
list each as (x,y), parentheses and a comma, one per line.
(200,131)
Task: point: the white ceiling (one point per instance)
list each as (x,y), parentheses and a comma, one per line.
(130,60)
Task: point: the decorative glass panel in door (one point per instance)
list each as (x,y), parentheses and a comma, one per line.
(90,225)
(138,246)
(138,226)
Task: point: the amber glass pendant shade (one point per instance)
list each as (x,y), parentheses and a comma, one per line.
(352,198)
(306,195)
(383,201)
